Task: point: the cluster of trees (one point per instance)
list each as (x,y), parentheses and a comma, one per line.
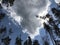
(53,25)
(8,2)
(5,40)
(27,42)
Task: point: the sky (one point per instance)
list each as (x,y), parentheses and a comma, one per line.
(24,12)
(27,10)
(57,1)
(23,15)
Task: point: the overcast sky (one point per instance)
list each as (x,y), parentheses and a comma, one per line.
(57,1)
(28,9)
(24,13)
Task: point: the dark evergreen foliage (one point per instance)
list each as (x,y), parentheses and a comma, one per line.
(35,42)
(53,25)
(10,31)
(56,12)
(4,1)
(2,15)
(2,30)
(47,27)
(46,43)
(51,21)
(11,2)
(0,6)
(28,41)
(57,30)
(57,42)
(6,40)
(8,1)
(18,41)
(47,16)
(37,16)
(43,17)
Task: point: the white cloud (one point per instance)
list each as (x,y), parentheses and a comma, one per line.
(28,9)
(0,1)
(57,1)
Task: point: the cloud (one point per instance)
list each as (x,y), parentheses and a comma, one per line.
(0,1)
(28,9)
(57,1)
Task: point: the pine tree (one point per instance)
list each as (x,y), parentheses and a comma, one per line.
(46,43)
(8,2)
(35,42)
(18,41)
(10,31)
(52,26)
(28,41)
(2,30)
(2,14)
(6,40)
(11,2)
